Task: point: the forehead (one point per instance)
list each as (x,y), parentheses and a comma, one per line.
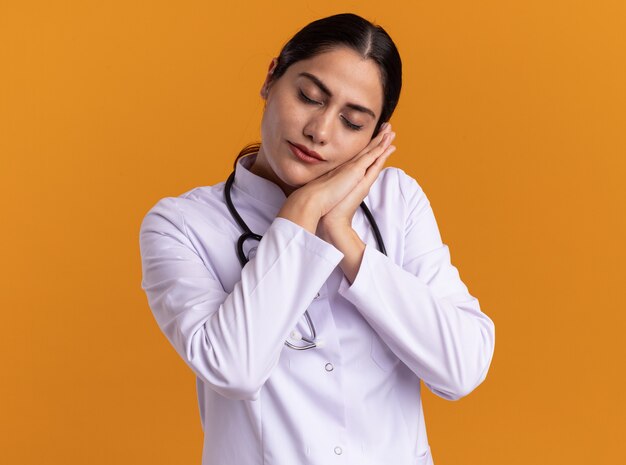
(347,75)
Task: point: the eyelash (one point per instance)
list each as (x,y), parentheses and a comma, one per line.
(350,125)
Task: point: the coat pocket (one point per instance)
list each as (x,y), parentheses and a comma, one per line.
(382,354)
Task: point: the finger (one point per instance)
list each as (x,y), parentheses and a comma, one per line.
(366,178)
(362,178)
(385,141)
(376,167)
(369,157)
(379,139)
(376,141)
(361,163)
(372,173)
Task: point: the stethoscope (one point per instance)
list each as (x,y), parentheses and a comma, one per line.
(248,234)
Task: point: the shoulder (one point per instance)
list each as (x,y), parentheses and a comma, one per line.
(398,200)
(178,210)
(394,184)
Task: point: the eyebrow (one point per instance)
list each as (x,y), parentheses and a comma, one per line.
(327,91)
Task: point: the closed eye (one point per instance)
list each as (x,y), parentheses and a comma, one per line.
(351,125)
(347,122)
(306,99)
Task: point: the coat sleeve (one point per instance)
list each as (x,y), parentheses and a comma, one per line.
(422,310)
(232,341)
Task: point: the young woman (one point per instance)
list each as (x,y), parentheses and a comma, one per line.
(311,292)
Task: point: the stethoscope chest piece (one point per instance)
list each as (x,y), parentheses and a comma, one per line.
(243,257)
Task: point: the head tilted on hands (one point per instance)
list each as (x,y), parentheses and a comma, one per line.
(333,85)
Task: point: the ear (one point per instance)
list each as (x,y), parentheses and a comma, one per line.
(268,79)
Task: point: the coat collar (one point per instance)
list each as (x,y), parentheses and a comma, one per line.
(259,188)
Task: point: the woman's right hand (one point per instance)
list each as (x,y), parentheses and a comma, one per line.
(312,201)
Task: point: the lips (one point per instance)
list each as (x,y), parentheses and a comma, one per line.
(306,151)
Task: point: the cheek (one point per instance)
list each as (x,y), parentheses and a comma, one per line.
(355,145)
(272,122)
(292,114)
(283,116)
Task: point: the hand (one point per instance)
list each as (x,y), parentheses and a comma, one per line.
(357,173)
(343,188)
(335,227)
(343,211)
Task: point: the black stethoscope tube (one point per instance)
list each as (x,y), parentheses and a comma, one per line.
(248,234)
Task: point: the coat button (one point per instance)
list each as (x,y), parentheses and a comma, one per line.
(317,296)
(338,450)
(329,367)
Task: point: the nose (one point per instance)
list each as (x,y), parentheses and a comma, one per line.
(318,127)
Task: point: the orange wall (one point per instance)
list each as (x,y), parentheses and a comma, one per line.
(512,119)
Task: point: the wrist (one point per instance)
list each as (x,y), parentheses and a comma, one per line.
(347,241)
(302,211)
(335,231)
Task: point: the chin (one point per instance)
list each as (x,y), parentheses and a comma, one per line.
(295,176)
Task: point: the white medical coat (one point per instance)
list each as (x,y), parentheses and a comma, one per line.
(356,400)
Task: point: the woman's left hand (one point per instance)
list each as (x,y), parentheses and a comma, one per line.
(340,216)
